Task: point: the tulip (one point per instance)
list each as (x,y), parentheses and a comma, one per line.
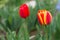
(44,17)
(24,11)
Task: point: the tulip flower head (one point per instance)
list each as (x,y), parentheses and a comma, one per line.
(44,17)
(24,11)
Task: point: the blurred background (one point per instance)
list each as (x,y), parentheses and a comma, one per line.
(10,19)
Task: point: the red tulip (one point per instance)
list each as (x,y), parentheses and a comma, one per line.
(44,17)
(24,11)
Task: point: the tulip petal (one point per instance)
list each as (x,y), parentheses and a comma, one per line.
(48,18)
(40,19)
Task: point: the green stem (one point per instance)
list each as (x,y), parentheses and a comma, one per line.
(23,32)
(25,29)
(50,33)
(26,34)
(47,31)
(43,33)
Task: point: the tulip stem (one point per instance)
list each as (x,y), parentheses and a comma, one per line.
(47,33)
(26,34)
(44,32)
(23,31)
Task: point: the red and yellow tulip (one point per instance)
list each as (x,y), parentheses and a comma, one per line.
(44,17)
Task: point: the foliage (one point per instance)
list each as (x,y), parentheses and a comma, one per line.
(11,23)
